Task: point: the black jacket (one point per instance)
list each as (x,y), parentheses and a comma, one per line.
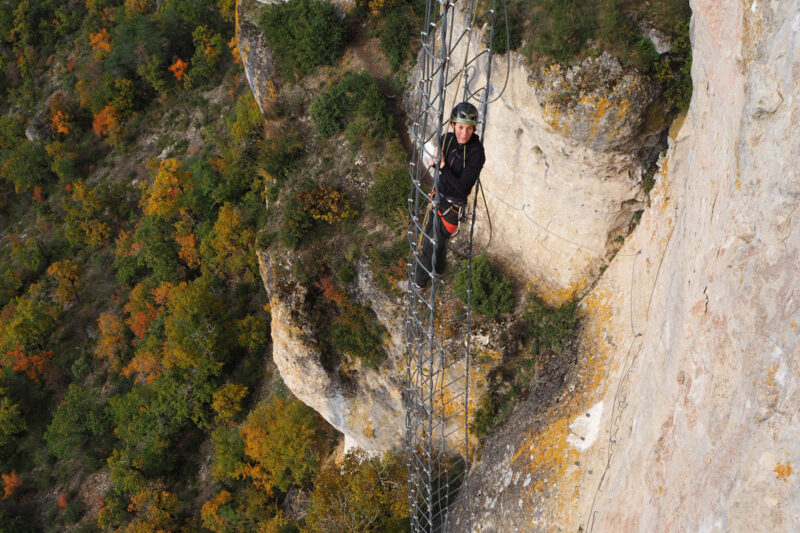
(462,165)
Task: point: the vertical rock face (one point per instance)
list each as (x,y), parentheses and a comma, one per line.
(366,406)
(566,149)
(684,412)
(706,438)
(257,60)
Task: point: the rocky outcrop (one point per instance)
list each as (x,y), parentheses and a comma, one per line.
(364,404)
(566,149)
(257,60)
(683,413)
(681,410)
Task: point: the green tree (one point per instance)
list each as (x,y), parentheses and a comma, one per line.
(78,423)
(387,198)
(228,455)
(195,344)
(395,31)
(27,166)
(11,421)
(491,293)
(356,98)
(303,34)
(208,54)
(548,327)
(147,420)
(158,252)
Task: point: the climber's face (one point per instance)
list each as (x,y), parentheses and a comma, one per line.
(463,131)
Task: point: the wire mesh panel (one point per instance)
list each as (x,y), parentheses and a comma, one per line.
(452,70)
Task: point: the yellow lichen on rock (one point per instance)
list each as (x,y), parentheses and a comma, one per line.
(783,471)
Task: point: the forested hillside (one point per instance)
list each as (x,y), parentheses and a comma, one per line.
(137,178)
(137,389)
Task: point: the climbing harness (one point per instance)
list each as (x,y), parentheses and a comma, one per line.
(437,393)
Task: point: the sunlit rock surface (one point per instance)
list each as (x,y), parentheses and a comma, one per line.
(684,410)
(566,149)
(362,403)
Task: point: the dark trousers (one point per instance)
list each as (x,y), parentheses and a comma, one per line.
(434,227)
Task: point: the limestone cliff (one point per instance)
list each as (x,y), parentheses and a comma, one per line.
(566,150)
(681,412)
(362,403)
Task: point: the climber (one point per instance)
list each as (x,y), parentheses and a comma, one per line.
(460,164)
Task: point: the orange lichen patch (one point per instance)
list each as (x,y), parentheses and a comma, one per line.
(556,118)
(793,325)
(783,471)
(547,453)
(599,107)
(771,375)
(753,22)
(558,296)
(737,184)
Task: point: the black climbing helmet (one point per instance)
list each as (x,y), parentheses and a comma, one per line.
(465,113)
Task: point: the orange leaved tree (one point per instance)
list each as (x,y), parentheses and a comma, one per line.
(68,277)
(283,444)
(163,196)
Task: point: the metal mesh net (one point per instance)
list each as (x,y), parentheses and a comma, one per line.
(452,70)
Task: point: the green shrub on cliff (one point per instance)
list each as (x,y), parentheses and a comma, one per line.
(357,332)
(387,198)
(303,34)
(356,105)
(491,293)
(548,327)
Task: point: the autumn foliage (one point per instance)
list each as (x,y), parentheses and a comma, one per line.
(60,114)
(178,68)
(107,123)
(229,249)
(164,194)
(141,310)
(188,241)
(83,213)
(154,510)
(212,514)
(363,494)
(111,337)
(100,42)
(67,276)
(11,482)
(282,443)
(326,203)
(32,364)
(228,401)
(331,291)
(24,336)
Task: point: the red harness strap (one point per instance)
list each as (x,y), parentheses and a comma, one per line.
(449,226)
